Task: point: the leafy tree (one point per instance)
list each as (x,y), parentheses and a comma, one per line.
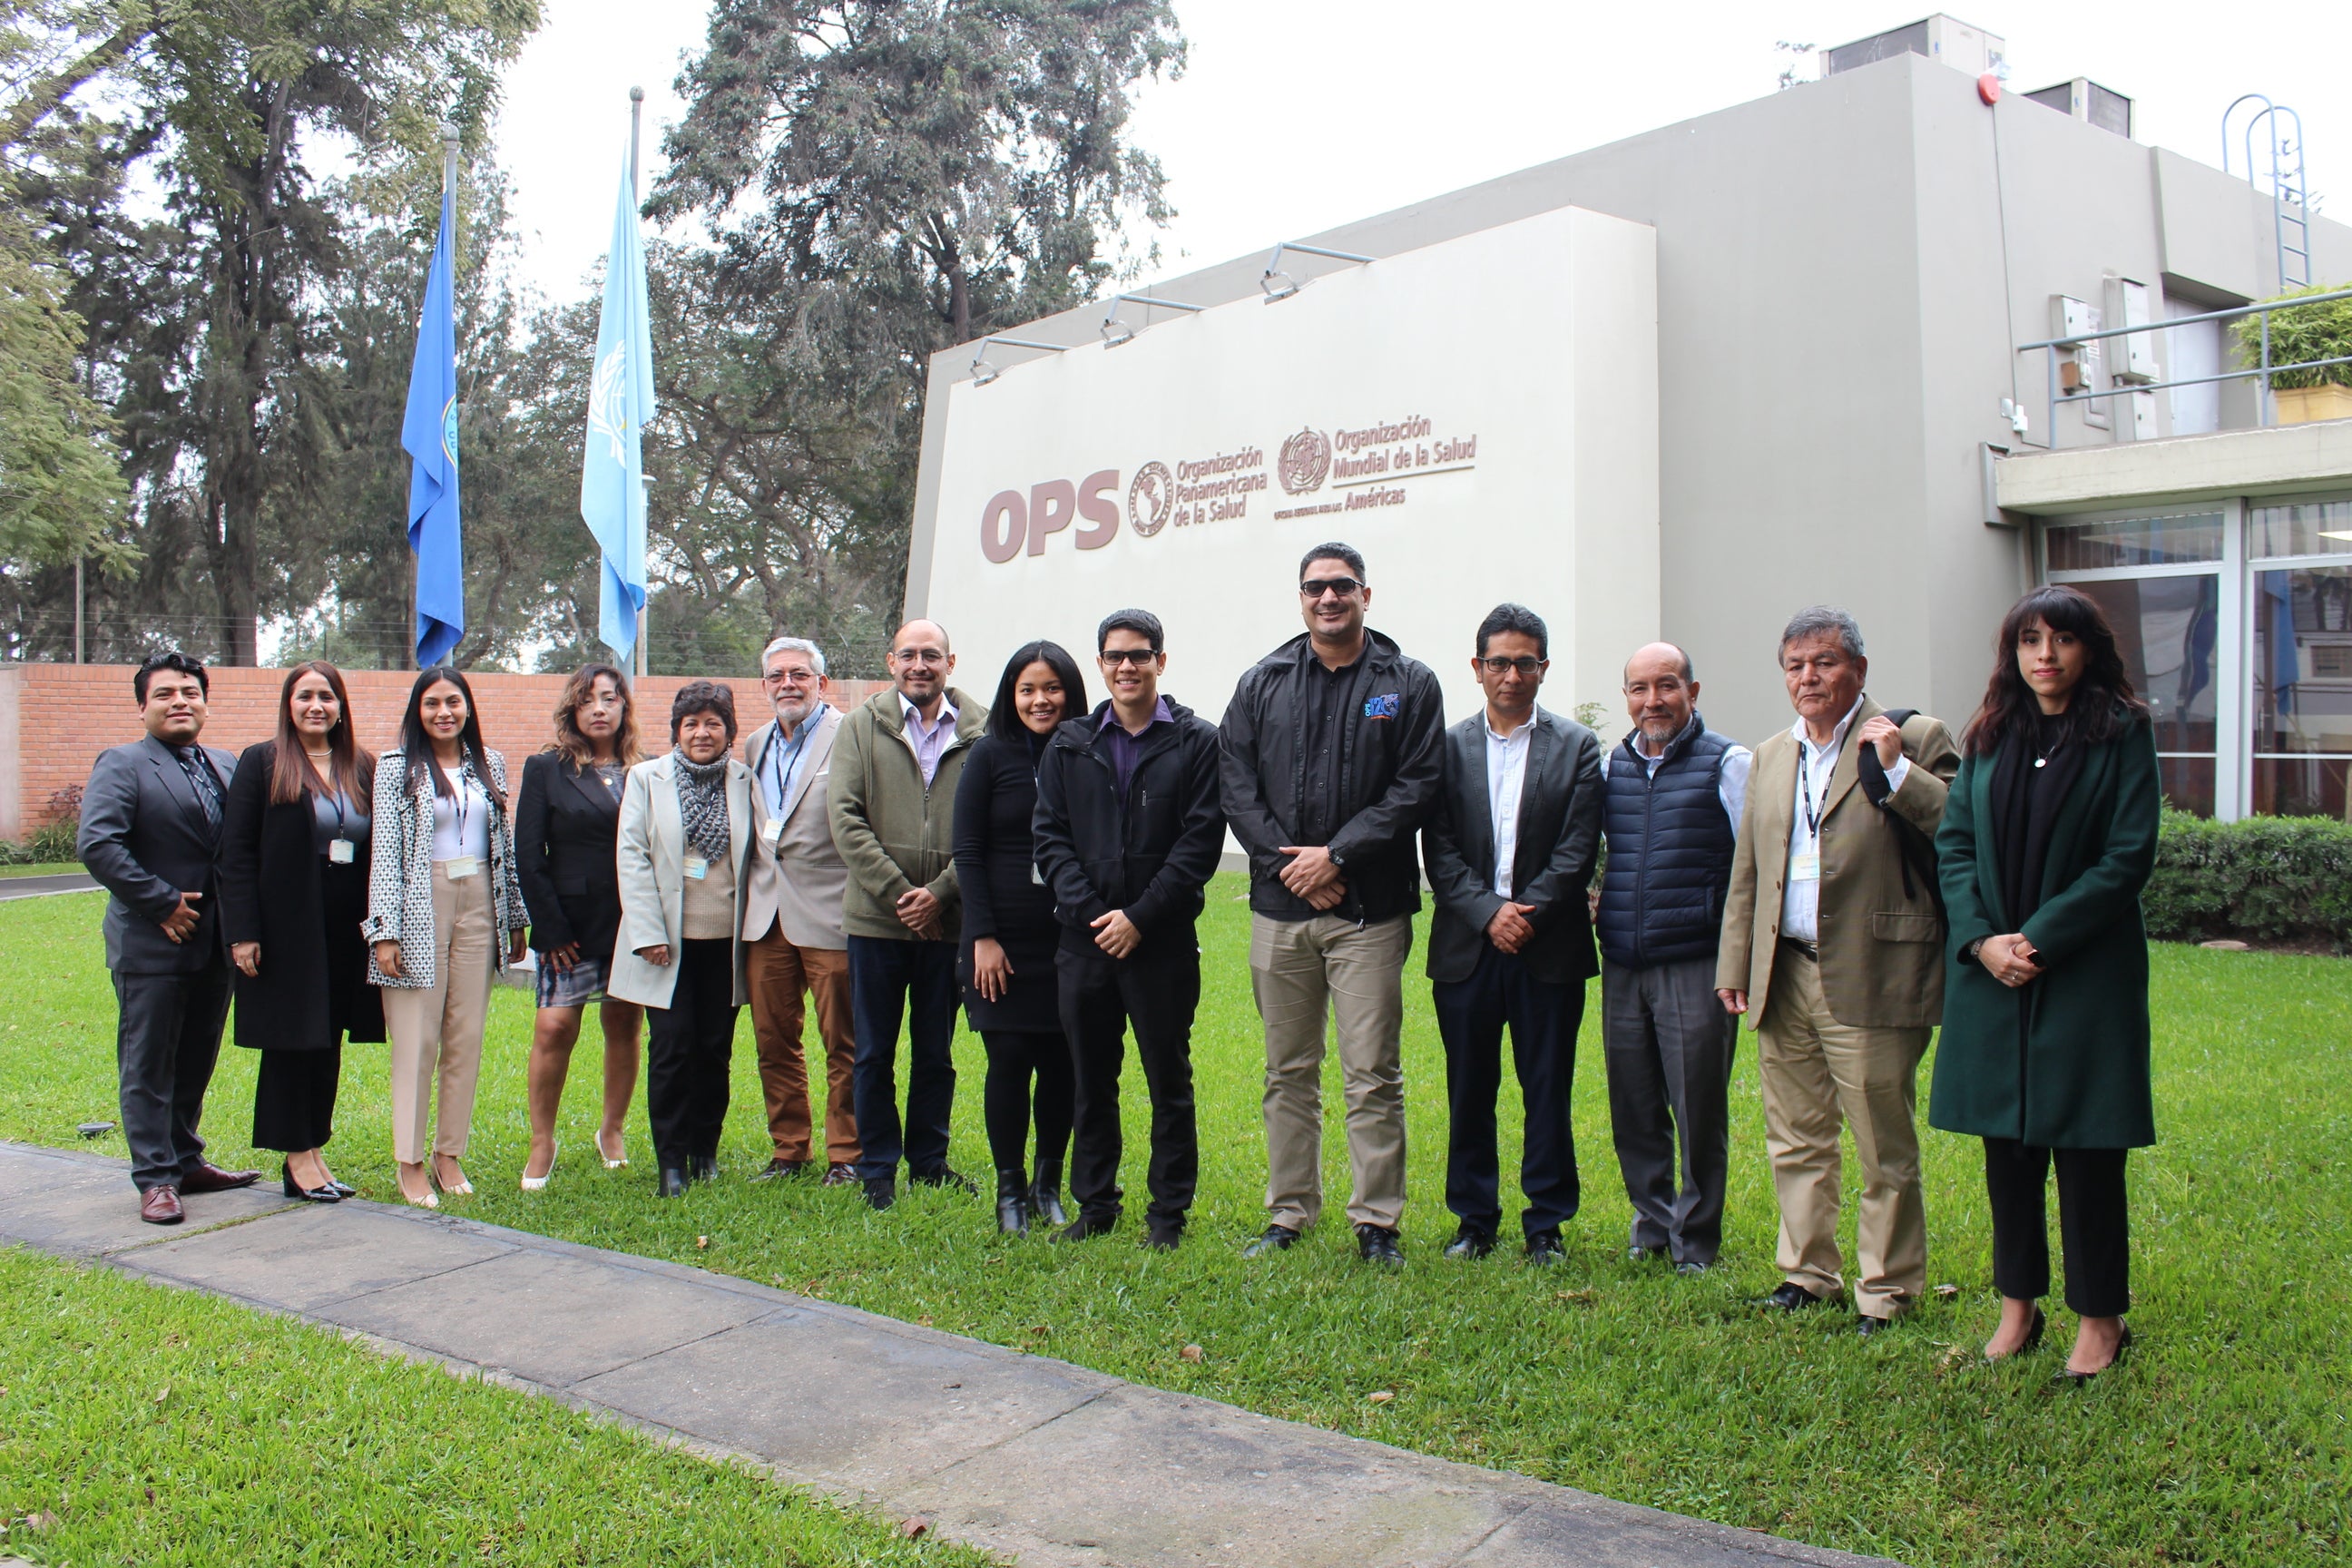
(885,179)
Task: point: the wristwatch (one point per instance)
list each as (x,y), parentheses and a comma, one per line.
(1968,953)
(1336,860)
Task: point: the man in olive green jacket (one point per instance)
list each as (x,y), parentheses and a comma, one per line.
(1832,947)
(892,803)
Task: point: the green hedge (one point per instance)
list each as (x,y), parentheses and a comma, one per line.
(2267,879)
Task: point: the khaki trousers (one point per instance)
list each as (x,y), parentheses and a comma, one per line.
(780,974)
(1816,1070)
(1302,972)
(437,1030)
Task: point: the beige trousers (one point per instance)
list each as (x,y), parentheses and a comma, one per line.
(437,1030)
(1303,972)
(1817,1071)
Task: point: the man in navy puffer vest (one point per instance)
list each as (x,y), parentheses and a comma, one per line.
(1673,792)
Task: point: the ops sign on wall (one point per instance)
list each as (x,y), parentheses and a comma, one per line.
(1478,417)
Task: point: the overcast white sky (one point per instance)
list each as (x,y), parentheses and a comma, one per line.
(1299,114)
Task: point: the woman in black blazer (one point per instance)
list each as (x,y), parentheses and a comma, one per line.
(294,888)
(567,816)
(1010,935)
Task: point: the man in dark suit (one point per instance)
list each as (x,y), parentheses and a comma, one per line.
(1510,855)
(151,829)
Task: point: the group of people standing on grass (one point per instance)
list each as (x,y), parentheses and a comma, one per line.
(1847,885)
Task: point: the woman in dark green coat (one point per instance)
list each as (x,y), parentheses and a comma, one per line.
(2049,835)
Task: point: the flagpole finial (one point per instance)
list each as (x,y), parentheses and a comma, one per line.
(636,95)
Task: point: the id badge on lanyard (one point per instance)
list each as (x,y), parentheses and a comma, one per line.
(696,866)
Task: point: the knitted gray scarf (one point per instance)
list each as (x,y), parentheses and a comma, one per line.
(702,802)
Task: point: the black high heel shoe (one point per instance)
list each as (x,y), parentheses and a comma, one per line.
(2032,1339)
(326,1194)
(2067,1377)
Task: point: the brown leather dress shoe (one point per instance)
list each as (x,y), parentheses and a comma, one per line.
(161,1206)
(213,1179)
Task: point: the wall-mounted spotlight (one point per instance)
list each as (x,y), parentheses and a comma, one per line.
(1281,285)
(1116,331)
(983,371)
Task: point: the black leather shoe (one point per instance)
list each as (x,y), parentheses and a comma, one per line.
(2033,1340)
(673,1182)
(345,1190)
(1377,1243)
(1645,1254)
(2068,1377)
(1277,1238)
(326,1194)
(944,1177)
(1163,1235)
(881,1191)
(775,1168)
(1045,1193)
(1544,1250)
(1791,1297)
(840,1174)
(704,1168)
(1089,1224)
(1692,1266)
(1011,1202)
(1865,1325)
(1469,1241)
(211,1178)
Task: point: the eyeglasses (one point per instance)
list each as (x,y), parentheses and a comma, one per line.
(1112,657)
(793,678)
(1315,587)
(920,656)
(1524,664)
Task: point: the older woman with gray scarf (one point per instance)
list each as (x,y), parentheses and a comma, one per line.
(687,824)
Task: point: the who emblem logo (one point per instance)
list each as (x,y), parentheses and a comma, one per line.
(1149,499)
(1305,461)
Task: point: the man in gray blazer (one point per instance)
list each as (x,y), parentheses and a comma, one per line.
(794,946)
(151,829)
(1510,855)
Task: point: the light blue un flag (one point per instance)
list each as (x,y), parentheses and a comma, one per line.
(429,436)
(620,405)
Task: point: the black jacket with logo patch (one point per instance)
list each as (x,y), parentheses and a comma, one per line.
(1390,765)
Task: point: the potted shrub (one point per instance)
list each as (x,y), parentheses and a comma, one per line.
(2315,332)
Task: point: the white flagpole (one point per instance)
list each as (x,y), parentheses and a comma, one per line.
(637,113)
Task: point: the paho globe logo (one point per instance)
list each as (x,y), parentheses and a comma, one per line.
(1304,461)
(1151,497)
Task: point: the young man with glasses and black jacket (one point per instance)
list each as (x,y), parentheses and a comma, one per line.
(1129,829)
(1331,762)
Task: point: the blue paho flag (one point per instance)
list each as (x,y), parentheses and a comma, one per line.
(620,405)
(429,436)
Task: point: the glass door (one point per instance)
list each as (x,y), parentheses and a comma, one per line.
(2299,694)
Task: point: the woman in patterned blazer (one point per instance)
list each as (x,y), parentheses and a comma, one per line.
(445,913)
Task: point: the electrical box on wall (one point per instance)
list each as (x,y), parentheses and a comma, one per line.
(2127,305)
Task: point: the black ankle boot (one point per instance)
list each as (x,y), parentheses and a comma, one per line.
(1045,1193)
(1011,1202)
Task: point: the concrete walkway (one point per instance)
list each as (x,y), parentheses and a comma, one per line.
(42,886)
(1038,1459)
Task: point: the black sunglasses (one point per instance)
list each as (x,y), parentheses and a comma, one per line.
(1315,587)
(1138,657)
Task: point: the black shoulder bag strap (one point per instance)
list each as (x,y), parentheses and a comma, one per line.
(1918,850)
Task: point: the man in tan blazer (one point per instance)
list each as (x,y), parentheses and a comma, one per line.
(1831,946)
(792,917)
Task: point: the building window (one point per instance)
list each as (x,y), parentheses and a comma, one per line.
(2300,697)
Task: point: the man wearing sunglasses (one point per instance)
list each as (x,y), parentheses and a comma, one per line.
(1128,831)
(1330,764)
(1510,856)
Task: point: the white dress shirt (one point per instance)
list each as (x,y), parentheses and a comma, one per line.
(1507,774)
(1800,902)
(1730,779)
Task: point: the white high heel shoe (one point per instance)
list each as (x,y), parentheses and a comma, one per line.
(610,1163)
(537,1184)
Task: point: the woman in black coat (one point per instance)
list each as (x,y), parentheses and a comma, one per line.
(293,889)
(1010,935)
(567,817)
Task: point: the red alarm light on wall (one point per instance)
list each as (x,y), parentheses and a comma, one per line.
(1988,89)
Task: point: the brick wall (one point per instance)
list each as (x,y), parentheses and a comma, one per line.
(56,718)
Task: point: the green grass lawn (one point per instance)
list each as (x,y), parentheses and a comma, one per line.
(143,1424)
(2224,1440)
(42,869)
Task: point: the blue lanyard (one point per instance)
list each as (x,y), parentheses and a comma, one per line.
(785,767)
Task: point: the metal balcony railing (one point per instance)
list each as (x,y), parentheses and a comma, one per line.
(2261,371)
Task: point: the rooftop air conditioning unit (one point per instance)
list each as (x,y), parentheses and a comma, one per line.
(1969,49)
(2087,101)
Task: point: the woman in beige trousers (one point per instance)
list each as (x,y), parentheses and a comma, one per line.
(445,913)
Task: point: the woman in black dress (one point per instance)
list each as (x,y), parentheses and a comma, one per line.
(1010,935)
(294,888)
(567,815)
